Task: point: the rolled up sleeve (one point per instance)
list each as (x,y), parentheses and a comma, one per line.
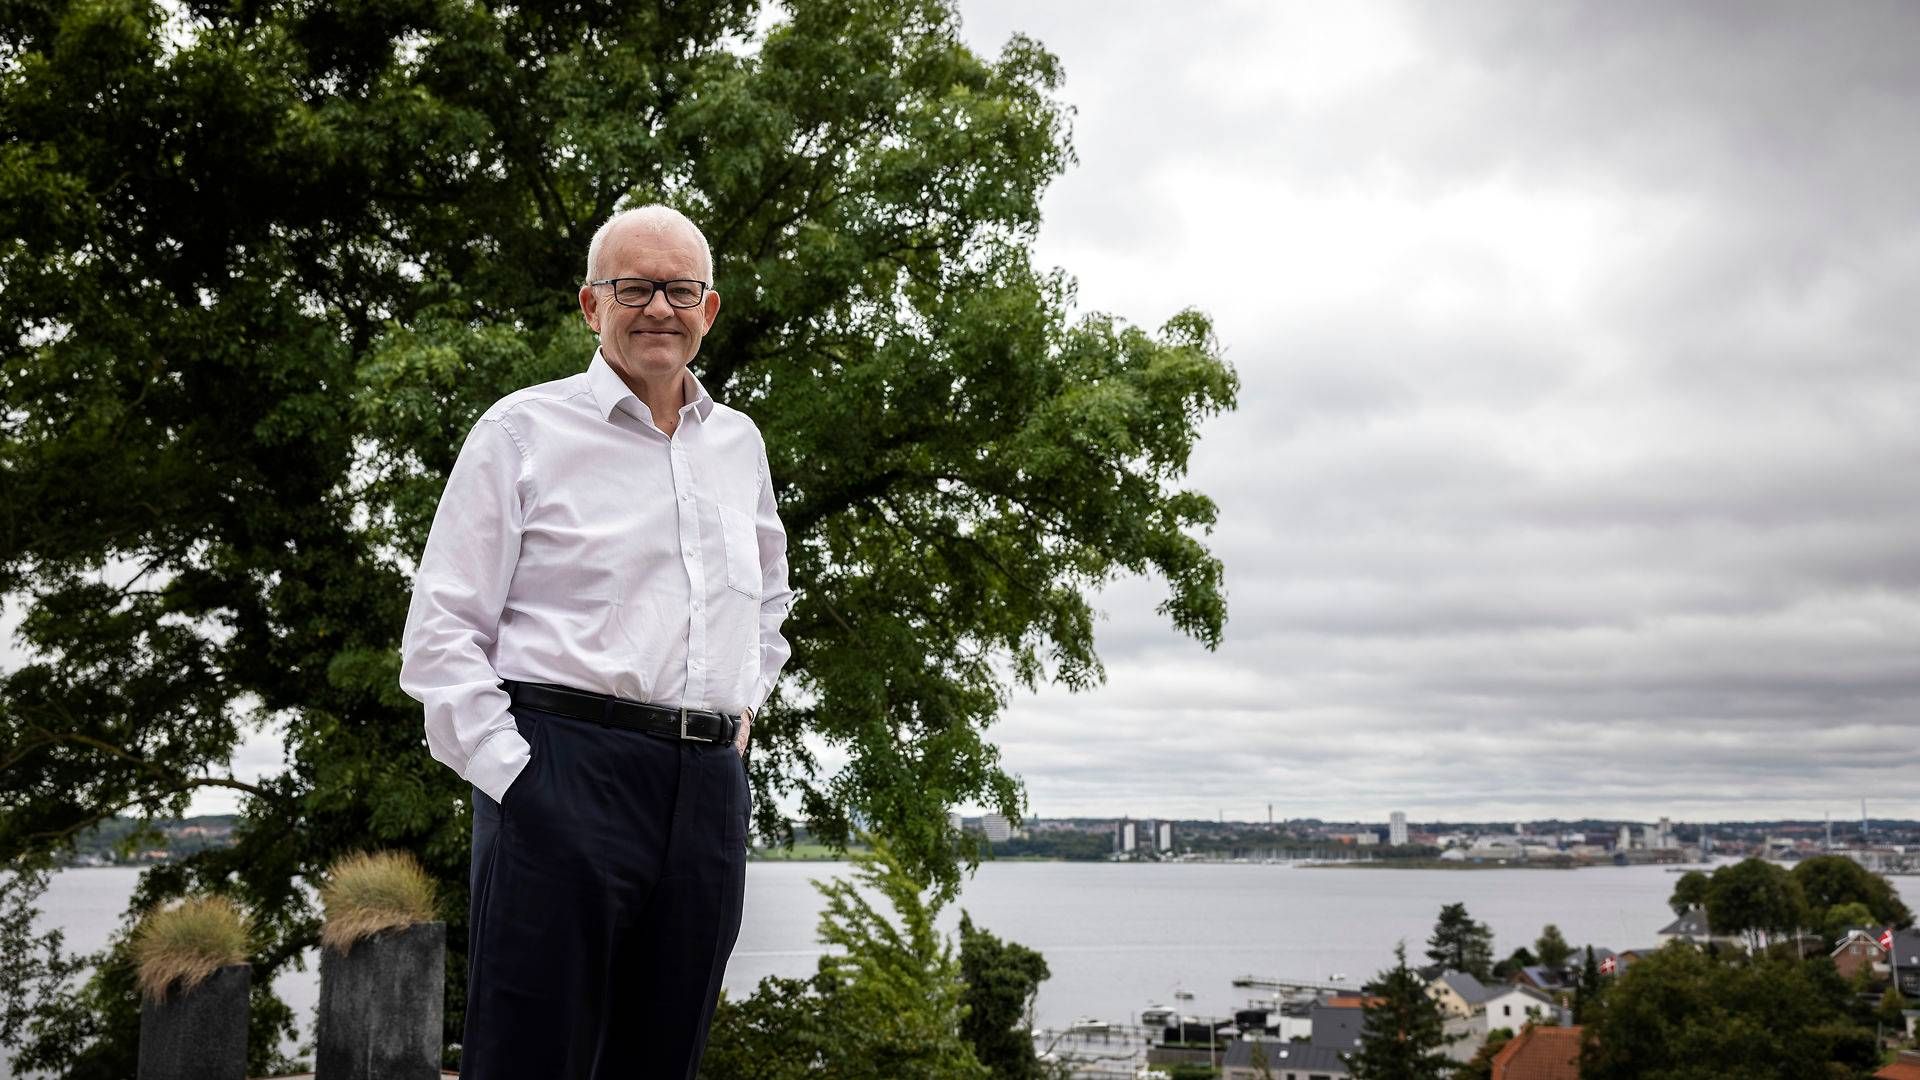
(454,618)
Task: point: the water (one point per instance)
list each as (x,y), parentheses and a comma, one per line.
(1120,936)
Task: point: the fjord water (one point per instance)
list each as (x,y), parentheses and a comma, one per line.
(1119,936)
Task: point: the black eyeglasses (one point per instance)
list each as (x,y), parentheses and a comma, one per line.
(638,291)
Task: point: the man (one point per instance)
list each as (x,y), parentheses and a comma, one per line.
(596,618)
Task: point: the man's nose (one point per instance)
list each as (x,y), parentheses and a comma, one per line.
(666,309)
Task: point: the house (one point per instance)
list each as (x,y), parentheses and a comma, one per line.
(1547,979)
(1512,1007)
(1690,929)
(1271,1060)
(1458,993)
(1540,1053)
(1906,962)
(1337,1028)
(1856,952)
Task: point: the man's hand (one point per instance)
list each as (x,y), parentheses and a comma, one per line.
(746,725)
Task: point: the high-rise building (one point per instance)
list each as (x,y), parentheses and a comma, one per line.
(1626,839)
(1397,828)
(1163,836)
(1129,835)
(996,826)
(953,820)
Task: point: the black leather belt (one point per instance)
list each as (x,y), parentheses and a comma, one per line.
(694,725)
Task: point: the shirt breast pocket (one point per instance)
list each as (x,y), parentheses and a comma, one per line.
(743,551)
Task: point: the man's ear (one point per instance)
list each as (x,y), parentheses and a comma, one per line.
(712,306)
(590,306)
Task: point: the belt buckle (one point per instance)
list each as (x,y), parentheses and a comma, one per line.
(683,728)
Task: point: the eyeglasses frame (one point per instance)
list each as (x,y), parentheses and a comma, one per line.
(659,287)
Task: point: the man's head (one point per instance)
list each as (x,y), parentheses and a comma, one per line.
(650,344)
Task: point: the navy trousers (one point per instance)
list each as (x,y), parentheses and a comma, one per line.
(607,888)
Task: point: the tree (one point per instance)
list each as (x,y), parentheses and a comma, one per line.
(1552,948)
(1835,881)
(1679,1014)
(266,262)
(888,1005)
(1689,893)
(1001,980)
(1521,957)
(1586,992)
(1838,919)
(1756,899)
(1461,944)
(1891,1012)
(1404,1037)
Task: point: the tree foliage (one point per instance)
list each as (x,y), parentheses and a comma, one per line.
(1404,1037)
(1461,944)
(1552,948)
(887,1005)
(1835,881)
(1756,899)
(1002,979)
(1689,892)
(1587,991)
(1680,1014)
(265,263)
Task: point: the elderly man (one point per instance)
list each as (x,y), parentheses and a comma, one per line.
(596,618)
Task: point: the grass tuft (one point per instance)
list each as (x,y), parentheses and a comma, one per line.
(366,893)
(186,942)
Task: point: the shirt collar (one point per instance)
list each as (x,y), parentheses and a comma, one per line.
(610,392)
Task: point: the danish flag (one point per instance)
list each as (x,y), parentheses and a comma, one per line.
(1606,966)
(1886,939)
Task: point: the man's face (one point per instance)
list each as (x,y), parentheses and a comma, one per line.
(653,344)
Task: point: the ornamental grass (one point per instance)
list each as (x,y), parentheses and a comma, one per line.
(186,942)
(364,894)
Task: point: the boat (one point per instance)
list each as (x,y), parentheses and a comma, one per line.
(1157,1016)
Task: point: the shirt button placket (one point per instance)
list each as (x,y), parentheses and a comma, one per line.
(692,557)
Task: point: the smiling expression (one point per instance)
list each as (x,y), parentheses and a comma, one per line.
(649,347)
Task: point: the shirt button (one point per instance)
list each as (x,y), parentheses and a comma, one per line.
(696,605)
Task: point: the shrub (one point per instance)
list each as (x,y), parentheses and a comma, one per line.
(364,894)
(185,943)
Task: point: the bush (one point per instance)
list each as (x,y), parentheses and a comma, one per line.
(185,943)
(364,894)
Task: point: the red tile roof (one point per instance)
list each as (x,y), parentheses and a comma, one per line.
(1540,1053)
(1899,1070)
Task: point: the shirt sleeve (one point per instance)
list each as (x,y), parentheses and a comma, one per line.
(775,597)
(458,596)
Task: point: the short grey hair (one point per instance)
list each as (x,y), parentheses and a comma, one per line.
(654,217)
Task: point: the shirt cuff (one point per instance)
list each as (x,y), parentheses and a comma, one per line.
(497,763)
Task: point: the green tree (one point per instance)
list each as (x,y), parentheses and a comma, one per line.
(1835,881)
(1521,957)
(1679,1014)
(1552,948)
(1837,920)
(1404,1037)
(1586,992)
(265,263)
(1001,979)
(1891,1012)
(1461,944)
(886,1005)
(1755,899)
(1689,893)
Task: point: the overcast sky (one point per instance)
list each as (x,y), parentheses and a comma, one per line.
(1577,465)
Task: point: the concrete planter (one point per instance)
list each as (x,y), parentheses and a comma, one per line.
(198,1034)
(381,1006)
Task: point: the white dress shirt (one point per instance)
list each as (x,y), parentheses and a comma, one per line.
(578,544)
